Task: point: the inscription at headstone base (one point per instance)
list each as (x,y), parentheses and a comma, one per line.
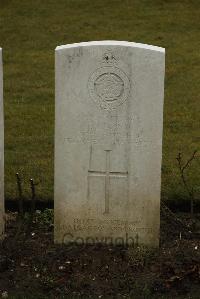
(1,150)
(108,142)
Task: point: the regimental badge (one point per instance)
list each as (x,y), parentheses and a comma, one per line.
(109,86)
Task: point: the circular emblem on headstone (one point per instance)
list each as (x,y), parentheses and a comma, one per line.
(109,87)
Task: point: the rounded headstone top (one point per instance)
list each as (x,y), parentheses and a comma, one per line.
(111,43)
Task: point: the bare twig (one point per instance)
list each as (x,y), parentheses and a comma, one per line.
(189,160)
(167,212)
(182,168)
(19,185)
(33,196)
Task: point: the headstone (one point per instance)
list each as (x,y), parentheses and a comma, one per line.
(1,150)
(108,142)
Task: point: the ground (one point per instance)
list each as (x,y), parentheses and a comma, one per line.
(30,31)
(31,266)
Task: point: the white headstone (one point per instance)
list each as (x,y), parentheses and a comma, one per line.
(108,142)
(1,149)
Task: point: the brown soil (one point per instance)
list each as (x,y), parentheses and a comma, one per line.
(31,266)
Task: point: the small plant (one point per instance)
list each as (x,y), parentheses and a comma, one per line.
(141,255)
(45,217)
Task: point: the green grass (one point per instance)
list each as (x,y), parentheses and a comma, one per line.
(29,32)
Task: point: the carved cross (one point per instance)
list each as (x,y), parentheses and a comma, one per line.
(107,174)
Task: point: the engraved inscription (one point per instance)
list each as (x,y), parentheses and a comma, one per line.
(107,174)
(100,225)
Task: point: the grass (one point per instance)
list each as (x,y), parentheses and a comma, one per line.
(30,31)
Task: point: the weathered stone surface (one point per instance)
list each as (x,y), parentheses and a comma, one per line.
(1,149)
(108,142)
